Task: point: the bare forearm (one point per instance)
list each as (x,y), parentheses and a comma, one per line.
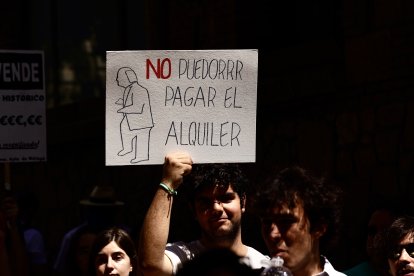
(154,234)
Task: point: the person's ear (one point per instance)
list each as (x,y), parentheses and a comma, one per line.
(320,230)
(243,203)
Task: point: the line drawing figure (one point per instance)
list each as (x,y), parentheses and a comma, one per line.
(137,121)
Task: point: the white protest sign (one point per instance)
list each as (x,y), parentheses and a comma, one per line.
(22,106)
(199,101)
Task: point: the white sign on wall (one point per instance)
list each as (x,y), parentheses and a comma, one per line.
(199,101)
(22,106)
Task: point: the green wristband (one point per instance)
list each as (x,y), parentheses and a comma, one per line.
(169,190)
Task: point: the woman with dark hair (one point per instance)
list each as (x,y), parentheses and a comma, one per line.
(113,252)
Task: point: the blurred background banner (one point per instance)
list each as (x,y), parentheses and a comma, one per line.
(22,107)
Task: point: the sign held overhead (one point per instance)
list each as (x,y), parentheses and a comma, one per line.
(199,101)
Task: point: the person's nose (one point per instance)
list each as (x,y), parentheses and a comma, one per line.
(217,205)
(274,232)
(405,257)
(110,264)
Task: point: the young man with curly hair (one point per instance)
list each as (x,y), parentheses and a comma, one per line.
(299,216)
(218,200)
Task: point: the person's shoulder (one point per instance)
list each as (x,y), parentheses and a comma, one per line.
(32,234)
(328,269)
(181,252)
(189,249)
(188,243)
(254,252)
(72,232)
(255,258)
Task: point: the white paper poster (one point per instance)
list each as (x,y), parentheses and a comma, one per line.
(22,106)
(199,101)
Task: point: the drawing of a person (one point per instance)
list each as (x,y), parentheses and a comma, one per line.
(137,121)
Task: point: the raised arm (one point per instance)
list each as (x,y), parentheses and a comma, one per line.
(154,232)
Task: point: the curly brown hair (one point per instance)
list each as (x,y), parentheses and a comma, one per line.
(321,202)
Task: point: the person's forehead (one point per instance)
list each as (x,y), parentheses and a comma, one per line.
(111,248)
(214,190)
(409,238)
(284,210)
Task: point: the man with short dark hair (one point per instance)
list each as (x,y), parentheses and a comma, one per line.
(396,245)
(218,201)
(299,215)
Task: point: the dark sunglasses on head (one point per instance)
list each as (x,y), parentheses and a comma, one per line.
(395,254)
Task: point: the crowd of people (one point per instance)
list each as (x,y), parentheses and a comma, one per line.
(299,214)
